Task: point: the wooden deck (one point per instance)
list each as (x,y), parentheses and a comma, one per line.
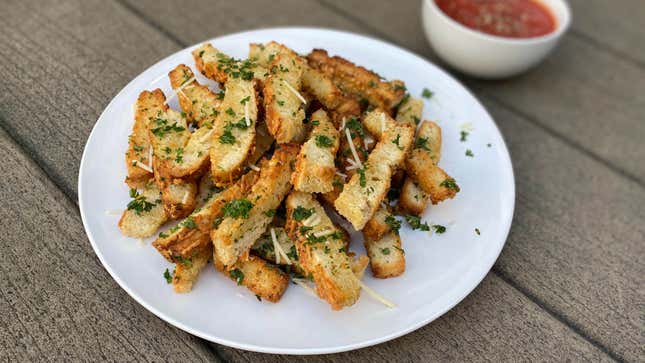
(569,284)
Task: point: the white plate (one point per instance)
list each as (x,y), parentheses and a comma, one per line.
(441,269)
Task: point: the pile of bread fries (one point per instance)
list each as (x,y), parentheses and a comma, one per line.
(247,171)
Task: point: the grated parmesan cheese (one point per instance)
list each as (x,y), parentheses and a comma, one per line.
(351,147)
(313,220)
(180,89)
(342,124)
(246,114)
(344,176)
(302,99)
(253,167)
(278,249)
(185,198)
(377,296)
(113,212)
(143,166)
(324,233)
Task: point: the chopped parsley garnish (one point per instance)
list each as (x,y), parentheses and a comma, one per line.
(305,229)
(439,228)
(179,158)
(477,231)
(396,141)
(324,141)
(355,127)
(230,112)
(371,84)
(167,276)
(293,254)
(139,204)
(189,223)
(280,103)
(362,179)
(227,137)
(238,208)
(270,213)
(220,95)
(464,135)
(469,153)
(258,297)
(217,221)
(399,87)
(137,148)
(426,93)
(422,143)
(416,120)
(450,184)
(237,275)
(394,223)
(415,222)
(489,144)
(245,100)
(183,260)
(163,128)
(311,239)
(162,235)
(385,251)
(301,213)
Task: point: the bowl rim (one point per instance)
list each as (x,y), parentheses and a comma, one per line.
(561,26)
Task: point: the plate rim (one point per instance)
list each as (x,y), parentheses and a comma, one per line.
(506,159)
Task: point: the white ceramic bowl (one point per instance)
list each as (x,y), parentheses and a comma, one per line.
(487,56)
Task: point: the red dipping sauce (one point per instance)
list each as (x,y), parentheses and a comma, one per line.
(505,18)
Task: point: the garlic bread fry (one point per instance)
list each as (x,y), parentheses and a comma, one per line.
(362,195)
(322,250)
(245,219)
(144,214)
(315,168)
(284,105)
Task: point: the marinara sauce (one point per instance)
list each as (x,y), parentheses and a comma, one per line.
(505,18)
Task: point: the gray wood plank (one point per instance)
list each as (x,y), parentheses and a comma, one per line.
(615,25)
(568,186)
(63,62)
(56,300)
(581,93)
(577,238)
(495,323)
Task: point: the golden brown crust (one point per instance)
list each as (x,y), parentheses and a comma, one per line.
(433,180)
(412,199)
(233,136)
(315,168)
(377,226)
(358,81)
(148,104)
(144,223)
(322,256)
(259,276)
(190,235)
(284,110)
(187,270)
(387,258)
(234,236)
(362,195)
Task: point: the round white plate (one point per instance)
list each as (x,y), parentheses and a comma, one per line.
(441,268)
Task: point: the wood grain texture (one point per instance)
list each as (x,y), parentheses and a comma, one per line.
(617,26)
(56,300)
(576,243)
(217,18)
(63,62)
(495,323)
(581,93)
(563,259)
